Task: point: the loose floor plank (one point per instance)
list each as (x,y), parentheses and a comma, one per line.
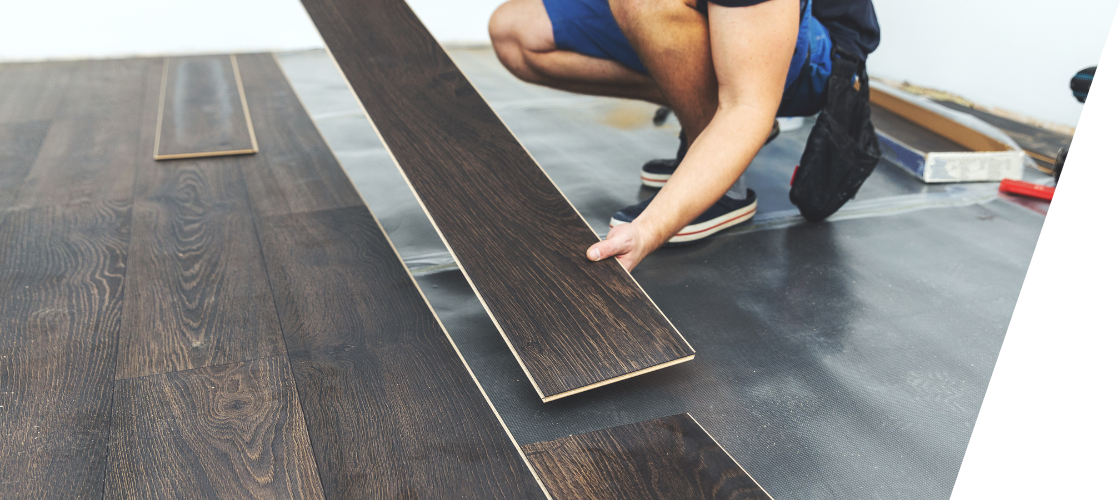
(203,110)
(197,292)
(573,324)
(62,281)
(232,431)
(298,173)
(391,408)
(665,458)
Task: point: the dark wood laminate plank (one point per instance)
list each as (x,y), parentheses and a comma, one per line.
(62,279)
(197,293)
(90,151)
(665,458)
(231,431)
(203,113)
(298,173)
(19,146)
(573,324)
(391,408)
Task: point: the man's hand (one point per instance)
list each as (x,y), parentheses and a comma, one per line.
(626,242)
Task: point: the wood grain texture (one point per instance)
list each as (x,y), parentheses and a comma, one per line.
(19,146)
(298,173)
(32,91)
(197,292)
(572,323)
(391,409)
(62,274)
(202,110)
(231,431)
(89,152)
(665,458)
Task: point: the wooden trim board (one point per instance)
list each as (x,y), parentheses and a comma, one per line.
(205,124)
(665,458)
(971,139)
(935,148)
(572,324)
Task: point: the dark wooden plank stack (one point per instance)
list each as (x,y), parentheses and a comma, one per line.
(573,324)
(665,458)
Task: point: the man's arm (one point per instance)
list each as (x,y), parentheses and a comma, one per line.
(751,51)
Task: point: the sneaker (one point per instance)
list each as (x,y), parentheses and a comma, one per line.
(655,173)
(724,214)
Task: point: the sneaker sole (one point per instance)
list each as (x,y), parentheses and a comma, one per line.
(655,180)
(703,230)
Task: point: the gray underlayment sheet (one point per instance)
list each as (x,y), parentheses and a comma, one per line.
(839,360)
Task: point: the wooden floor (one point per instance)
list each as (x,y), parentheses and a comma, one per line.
(573,324)
(235,326)
(666,458)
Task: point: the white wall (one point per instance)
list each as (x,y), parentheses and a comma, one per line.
(1014,54)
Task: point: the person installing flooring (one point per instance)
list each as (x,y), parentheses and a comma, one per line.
(726,68)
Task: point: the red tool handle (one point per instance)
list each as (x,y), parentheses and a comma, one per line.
(1026,189)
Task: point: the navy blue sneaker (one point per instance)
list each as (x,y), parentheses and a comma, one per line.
(655,173)
(724,214)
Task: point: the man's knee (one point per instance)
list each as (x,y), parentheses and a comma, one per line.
(518,28)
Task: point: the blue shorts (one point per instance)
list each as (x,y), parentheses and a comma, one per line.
(589,28)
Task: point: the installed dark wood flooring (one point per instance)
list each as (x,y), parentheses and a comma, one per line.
(62,271)
(172,363)
(89,151)
(665,458)
(298,173)
(197,291)
(573,324)
(18,151)
(203,113)
(231,431)
(391,409)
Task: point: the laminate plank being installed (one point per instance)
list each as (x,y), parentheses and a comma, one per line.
(665,458)
(572,324)
(298,173)
(203,111)
(391,408)
(232,431)
(62,274)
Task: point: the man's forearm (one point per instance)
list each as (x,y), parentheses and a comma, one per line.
(714,162)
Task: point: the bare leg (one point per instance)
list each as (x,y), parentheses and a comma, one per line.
(671,37)
(522,35)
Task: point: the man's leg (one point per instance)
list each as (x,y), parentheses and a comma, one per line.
(522,34)
(671,38)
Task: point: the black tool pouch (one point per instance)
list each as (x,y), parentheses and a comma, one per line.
(842,149)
